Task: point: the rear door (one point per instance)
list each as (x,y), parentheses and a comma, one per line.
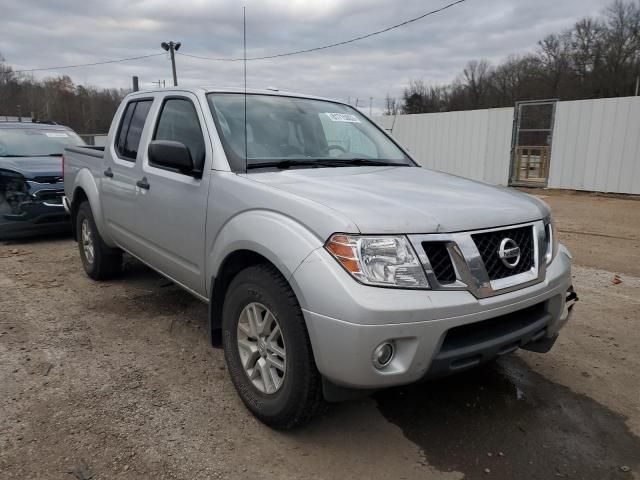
(122,169)
(171,212)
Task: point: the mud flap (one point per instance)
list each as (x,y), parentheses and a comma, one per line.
(335,393)
(540,346)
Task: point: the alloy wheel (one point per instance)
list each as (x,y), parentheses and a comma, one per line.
(87,241)
(261,348)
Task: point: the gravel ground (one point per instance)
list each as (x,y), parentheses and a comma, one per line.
(116,380)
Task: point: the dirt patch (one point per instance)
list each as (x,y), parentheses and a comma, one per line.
(601,232)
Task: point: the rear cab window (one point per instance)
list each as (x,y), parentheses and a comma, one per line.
(133,119)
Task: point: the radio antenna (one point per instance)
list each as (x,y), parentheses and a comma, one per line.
(244,32)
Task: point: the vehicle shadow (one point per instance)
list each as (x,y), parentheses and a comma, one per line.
(58,236)
(508,420)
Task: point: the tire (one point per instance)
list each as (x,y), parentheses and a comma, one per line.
(100,261)
(298,397)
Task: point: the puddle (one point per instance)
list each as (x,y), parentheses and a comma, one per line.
(506,418)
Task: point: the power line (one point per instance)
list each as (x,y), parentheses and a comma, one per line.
(87,64)
(182,54)
(266,57)
(337,44)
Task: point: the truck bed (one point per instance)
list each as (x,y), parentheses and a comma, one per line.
(77,159)
(88,150)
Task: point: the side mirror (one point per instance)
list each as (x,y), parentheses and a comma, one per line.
(167,153)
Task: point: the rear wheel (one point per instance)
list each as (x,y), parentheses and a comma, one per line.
(99,260)
(267,349)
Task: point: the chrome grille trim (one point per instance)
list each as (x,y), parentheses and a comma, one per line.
(471,274)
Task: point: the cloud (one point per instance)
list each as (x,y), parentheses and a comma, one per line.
(39,34)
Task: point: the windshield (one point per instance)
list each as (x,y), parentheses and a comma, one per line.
(36,142)
(286,131)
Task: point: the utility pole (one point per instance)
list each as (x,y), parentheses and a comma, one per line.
(172,47)
(637,84)
(135,83)
(370,106)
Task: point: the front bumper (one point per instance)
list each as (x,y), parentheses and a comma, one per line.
(42,212)
(433,332)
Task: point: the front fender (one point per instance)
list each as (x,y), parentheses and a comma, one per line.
(85,181)
(282,240)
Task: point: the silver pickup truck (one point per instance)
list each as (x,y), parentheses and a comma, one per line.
(331,262)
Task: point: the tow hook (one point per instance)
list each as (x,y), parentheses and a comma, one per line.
(571,298)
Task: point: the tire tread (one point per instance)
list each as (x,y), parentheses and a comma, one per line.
(311,401)
(107,261)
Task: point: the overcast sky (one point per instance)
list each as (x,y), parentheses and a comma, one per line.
(61,32)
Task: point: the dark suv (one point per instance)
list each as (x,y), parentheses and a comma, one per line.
(31,185)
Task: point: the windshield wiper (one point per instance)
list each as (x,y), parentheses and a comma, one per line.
(367,162)
(325,162)
(284,164)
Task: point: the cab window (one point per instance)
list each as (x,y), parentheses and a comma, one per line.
(179,122)
(133,119)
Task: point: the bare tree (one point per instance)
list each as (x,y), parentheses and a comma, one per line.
(476,77)
(621,52)
(392,106)
(554,53)
(517,78)
(598,57)
(85,109)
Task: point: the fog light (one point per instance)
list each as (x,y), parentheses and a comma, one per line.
(382,355)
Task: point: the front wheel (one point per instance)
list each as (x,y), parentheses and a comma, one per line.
(99,260)
(267,349)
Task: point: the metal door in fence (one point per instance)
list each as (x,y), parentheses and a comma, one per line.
(531,142)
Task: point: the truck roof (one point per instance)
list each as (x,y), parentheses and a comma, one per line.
(250,91)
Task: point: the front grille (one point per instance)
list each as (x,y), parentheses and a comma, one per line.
(464,337)
(440,261)
(50,196)
(48,179)
(488,244)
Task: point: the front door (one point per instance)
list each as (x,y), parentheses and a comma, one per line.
(171,212)
(122,172)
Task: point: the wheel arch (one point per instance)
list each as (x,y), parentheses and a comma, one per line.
(86,189)
(79,196)
(234,263)
(255,236)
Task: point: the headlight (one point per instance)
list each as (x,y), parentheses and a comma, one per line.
(551,234)
(385,261)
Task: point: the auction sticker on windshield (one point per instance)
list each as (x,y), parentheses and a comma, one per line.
(343,117)
(56,134)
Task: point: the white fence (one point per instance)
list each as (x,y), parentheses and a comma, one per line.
(474,144)
(596,143)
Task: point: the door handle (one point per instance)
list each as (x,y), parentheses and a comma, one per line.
(144,183)
(108,173)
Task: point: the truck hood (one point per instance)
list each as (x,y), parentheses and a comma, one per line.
(32,167)
(407,199)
